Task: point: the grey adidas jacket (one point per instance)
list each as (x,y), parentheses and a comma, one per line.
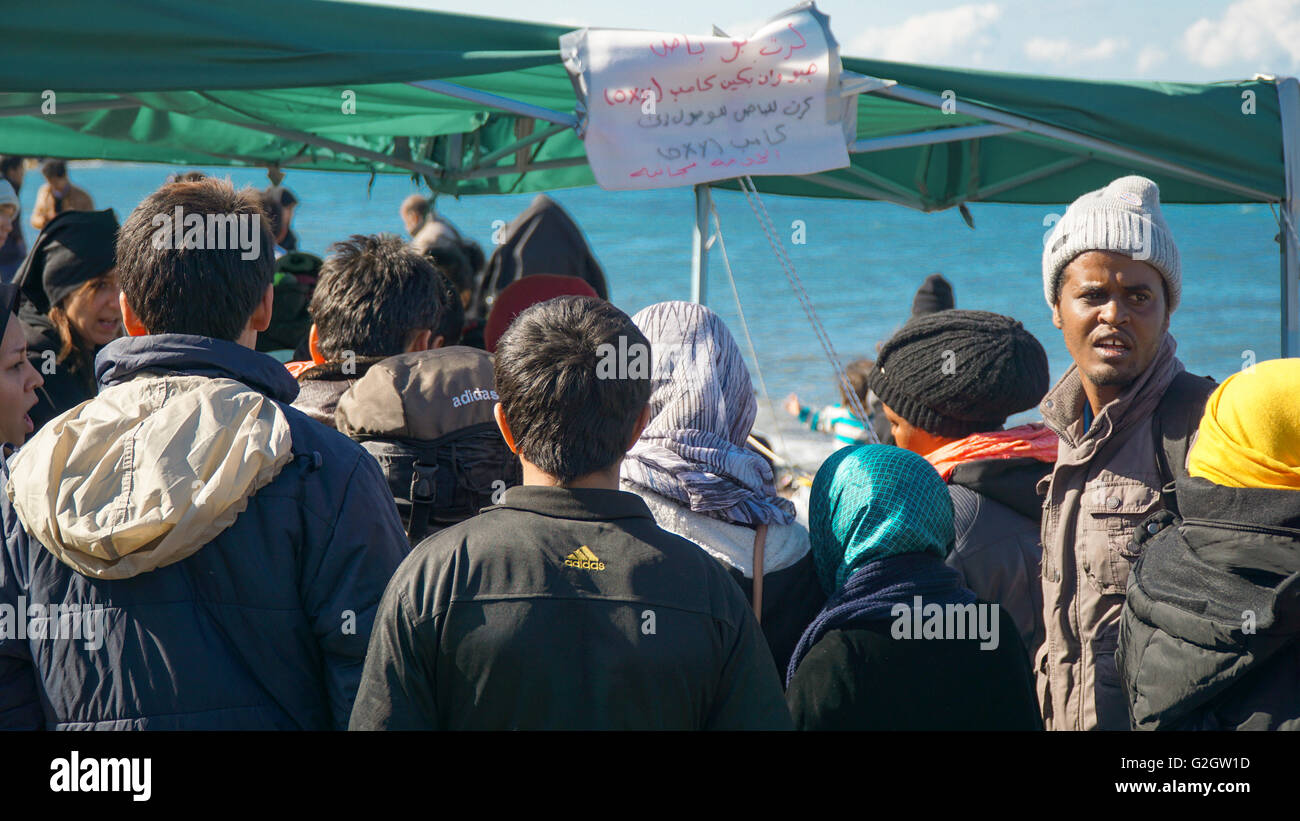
(566,609)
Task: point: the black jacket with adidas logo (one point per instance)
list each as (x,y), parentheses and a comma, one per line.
(565,609)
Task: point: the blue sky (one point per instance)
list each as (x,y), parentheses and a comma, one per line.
(1192,40)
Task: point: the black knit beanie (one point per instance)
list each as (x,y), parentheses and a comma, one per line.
(955,373)
(935,294)
(74,248)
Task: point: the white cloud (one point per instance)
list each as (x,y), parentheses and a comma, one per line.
(1046,49)
(1063,52)
(1149,58)
(962,33)
(1250,31)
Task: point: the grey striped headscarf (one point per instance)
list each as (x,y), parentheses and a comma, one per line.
(701,411)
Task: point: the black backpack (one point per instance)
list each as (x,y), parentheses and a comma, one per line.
(1176,419)
(437,483)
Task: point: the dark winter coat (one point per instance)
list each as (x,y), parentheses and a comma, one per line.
(1210,631)
(321,387)
(862,678)
(566,609)
(996,513)
(262,625)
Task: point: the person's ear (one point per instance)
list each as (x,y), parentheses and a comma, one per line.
(1056,314)
(500,414)
(261,318)
(313,345)
(439,341)
(132,323)
(420,341)
(641,421)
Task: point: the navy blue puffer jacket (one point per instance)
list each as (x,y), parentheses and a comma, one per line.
(216,557)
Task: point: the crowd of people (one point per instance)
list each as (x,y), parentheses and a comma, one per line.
(413,486)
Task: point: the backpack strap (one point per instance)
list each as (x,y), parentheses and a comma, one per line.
(1175,422)
(424,488)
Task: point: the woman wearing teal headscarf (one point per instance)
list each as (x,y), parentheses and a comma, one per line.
(901,644)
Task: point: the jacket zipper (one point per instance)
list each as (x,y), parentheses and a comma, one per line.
(1245,528)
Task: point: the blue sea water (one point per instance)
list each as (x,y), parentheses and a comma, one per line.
(861,263)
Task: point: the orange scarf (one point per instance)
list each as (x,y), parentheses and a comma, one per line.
(1034,441)
(296,368)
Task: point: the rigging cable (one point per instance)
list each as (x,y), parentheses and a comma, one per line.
(805,302)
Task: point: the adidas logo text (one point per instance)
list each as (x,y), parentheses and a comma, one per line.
(584,559)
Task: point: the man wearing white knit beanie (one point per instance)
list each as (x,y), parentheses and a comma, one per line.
(1125,412)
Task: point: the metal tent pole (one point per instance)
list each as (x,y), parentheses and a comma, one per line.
(496,101)
(700,245)
(1024,124)
(1288,97)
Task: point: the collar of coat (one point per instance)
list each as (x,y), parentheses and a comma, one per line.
(1062,407)
(340,371)
(581,504)
(188,355)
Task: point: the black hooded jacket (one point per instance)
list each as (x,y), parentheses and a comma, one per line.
(543,239)
(1210,632)
(67,383)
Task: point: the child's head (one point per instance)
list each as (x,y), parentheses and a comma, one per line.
(572,411)
(857,372)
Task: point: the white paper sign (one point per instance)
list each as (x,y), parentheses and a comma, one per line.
(665,110)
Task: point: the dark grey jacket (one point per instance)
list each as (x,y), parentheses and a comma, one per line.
(1210,632)
(997,552)
(566,609)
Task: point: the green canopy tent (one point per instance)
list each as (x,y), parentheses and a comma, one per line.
(479,106)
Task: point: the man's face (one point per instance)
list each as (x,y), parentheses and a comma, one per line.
(1112,311)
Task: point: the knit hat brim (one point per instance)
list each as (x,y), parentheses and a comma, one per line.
(1123,218)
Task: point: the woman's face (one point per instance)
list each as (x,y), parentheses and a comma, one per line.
(93,310)
(18,384)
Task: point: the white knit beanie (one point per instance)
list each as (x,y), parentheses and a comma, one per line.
(1124,217)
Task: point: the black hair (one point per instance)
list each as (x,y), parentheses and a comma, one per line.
(857,371)
(449,256)
(274,214)
(374,293)
(571,410)
(9,162)
(210,290)
(54,169)
(452,322)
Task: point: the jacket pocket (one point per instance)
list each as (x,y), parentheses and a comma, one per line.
(1111,512)
(1042,686)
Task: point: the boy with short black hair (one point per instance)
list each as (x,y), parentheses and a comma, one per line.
(566,606)
(376,297)
(229,552)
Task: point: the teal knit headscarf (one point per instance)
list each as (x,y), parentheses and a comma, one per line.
(873,501)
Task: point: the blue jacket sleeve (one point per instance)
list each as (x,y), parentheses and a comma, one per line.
(343,584)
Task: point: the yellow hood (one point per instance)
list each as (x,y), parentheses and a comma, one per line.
(148,472)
